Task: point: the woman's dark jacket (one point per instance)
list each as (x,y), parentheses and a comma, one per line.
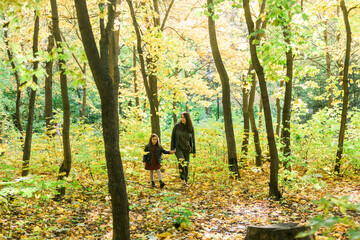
(159,150)
(175,138)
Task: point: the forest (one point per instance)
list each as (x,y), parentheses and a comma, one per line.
(272,88)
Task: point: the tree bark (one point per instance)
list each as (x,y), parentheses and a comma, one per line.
(65,167)
(282,231)
(274,158)
(29,128)
(286,116)
(278,111)
(148,67)
(137,101)
(245,140)
(260,112)
(345,88)
(17,79)
(83,105)
(328,66)
(48,87)
(258,159)
(226,101)
(110,122)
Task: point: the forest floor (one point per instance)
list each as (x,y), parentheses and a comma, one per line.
(212,207)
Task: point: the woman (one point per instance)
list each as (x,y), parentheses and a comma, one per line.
(183,142)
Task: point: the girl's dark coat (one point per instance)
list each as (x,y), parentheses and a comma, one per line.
(159,150)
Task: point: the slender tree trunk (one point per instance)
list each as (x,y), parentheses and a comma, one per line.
(150,77)
(114,51)
(254,129)
(174,113)
(29,128)
(286,119)
(328,67)
(83,106)
(274,158)
(137,101)
(345,88)
(110,121)
(65,167)
(1,132)
(218,108)
(278,111)
(245,140)
(150,80)
(48,87)
(226,101)
(17,79)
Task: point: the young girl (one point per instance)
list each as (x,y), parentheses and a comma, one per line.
(152,160)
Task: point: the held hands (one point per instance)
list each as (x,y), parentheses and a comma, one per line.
(172,151)
(194,155)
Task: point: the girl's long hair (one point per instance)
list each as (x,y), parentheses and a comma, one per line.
(188,125)
(158,141)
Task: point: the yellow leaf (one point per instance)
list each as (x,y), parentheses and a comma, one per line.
(37,229)
(163,235)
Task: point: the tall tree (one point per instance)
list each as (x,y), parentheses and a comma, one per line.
(48,84)
(245,140)
(278,111)
(286,116)
(226,101)
(29,127)
(65,167)
(328,65)
(258,159)
(274,158)
(110,119)
(345,88)
(17,78)
(149,62)
(260,24)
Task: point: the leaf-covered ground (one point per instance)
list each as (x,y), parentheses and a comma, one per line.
(214,206)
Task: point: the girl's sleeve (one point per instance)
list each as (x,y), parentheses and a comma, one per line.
(164,151)
(145,155)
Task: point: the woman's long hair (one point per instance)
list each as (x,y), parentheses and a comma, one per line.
(158,140)
(188,124)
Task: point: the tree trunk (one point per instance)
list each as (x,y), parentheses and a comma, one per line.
(217,108)
(282,231)
(226,101)
(150,80)
(2,119)
(252,120)
(278,111)
(245,140)
(173,113)
(110,122)
(29,128)
(48,87)
(83,106)
(286,118)
(260,113)
(274,158)
(65,167)
(328,67)
(150,77)
(137,101)
(17,79)
(345,88)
